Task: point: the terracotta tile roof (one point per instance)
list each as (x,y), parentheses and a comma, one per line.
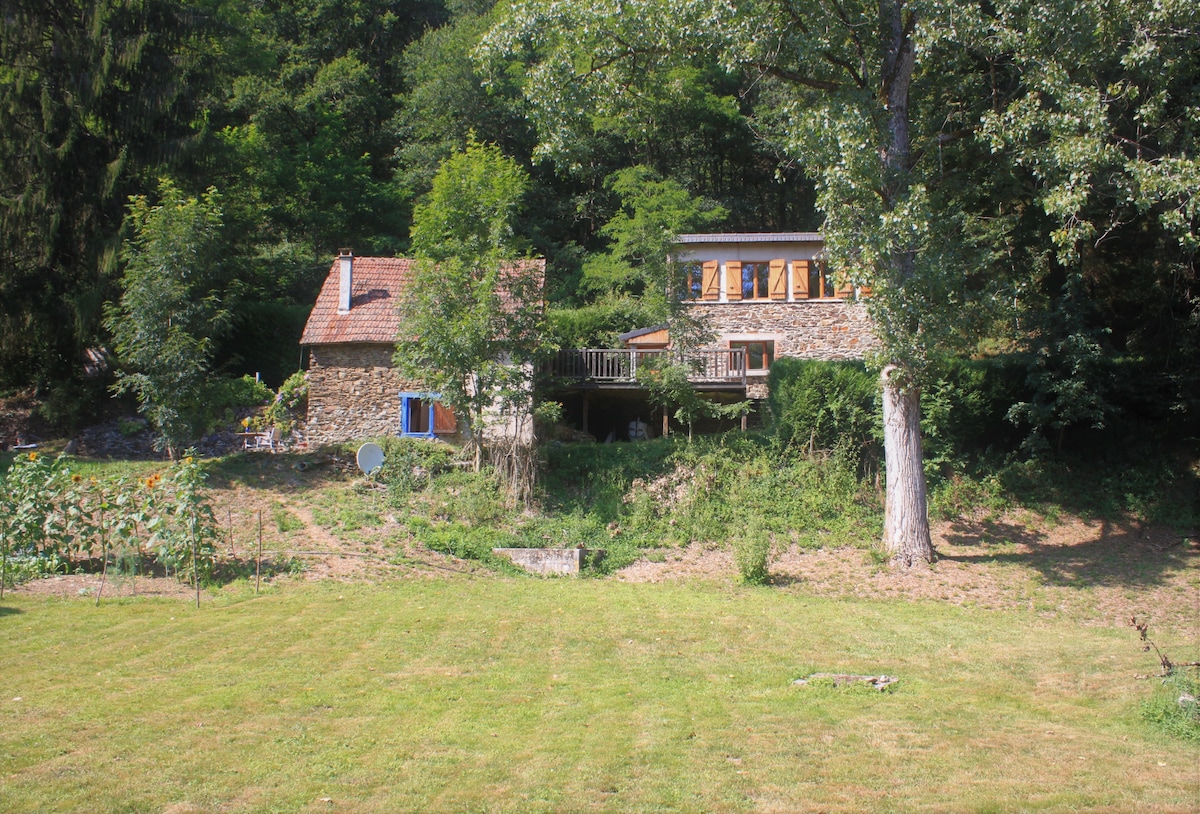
(376,286)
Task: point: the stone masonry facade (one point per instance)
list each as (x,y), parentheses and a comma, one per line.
(829,330)
(354,392)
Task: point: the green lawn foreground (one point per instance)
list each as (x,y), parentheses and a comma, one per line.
(512,694)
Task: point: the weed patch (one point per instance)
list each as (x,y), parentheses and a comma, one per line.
(465,542)
(284,520)
(1174,707)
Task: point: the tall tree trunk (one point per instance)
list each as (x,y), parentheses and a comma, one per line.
(906,519)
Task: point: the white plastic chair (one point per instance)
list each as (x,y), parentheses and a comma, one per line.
(266,440)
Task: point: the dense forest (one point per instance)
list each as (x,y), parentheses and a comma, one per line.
(1056,200)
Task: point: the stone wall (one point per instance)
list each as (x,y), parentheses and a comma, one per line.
(353,392)
(809,330)
(830,330)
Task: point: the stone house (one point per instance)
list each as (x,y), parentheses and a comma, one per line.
(772,295)
(354,391)
(762,296)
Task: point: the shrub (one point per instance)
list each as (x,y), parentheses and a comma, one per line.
(1175,706)
(227,397)
(821,405)
(752,553)
(964,411)
(598,325)
(289,403)
(409,464)
(23,567)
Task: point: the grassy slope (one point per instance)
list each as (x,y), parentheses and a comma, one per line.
(502,693)
(509,694)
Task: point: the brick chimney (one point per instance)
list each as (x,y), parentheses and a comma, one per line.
(347,260)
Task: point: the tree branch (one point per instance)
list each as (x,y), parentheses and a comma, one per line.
(859,74)
(797,78)
(940,139)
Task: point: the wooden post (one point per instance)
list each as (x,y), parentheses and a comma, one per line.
(104,555)
(195,569)
(666,424)
(258,560)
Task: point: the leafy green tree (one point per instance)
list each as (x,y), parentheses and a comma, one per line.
(882,103)
(470,319)
(667,379)
(842,77)
(1104,134)
(95,97)
(301,135)
(445,100)
(642,232)
(171,309)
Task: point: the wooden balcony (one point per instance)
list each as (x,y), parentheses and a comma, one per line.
(618,367)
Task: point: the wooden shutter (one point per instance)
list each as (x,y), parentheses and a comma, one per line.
(778,280)
(444,420)
(733,280)
(800,272)
(845,288)
(710,285)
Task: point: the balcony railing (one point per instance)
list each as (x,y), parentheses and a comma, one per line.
(620,365)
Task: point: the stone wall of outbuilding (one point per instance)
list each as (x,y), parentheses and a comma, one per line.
(353,392)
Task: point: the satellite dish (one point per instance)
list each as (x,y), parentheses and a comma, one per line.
(370,458)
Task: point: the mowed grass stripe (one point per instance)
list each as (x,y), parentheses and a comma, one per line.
(506,694)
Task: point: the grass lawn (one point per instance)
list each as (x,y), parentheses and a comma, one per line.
(516,694)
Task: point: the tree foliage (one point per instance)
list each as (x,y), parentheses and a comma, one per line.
(469,319)
(94,96)
(886,106)
(171,310)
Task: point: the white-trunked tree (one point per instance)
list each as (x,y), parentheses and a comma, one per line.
(905,114)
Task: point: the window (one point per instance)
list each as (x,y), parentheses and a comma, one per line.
(820,283)
(701,280)
(759,353)
(756,279)
(421,414)
(811,280)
